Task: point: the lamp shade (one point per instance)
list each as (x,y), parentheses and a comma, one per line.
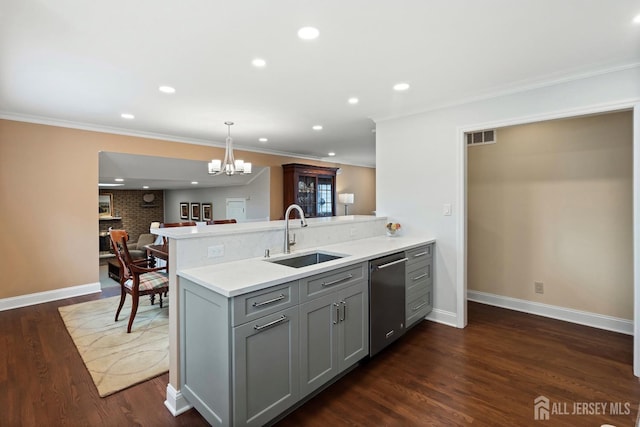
(346,198)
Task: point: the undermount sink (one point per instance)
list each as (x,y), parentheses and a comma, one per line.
(306,259)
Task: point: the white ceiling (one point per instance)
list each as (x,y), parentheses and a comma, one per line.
(86,62)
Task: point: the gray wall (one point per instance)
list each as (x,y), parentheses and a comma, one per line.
(256,193)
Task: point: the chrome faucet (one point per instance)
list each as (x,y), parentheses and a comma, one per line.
(303,223)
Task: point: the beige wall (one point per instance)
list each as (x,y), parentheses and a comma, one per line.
(552,202)
(49,193)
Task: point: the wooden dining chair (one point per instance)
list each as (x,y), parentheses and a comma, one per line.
(136,278)
(221,221)
(175,224)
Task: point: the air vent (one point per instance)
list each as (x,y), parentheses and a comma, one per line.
(481,137)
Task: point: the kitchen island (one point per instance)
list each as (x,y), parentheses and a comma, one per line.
(259,337)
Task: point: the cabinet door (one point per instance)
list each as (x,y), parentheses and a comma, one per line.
(266,361)
(318,353)
(307,194)
(353,334)
(326,205)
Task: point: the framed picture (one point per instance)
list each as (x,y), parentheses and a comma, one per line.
(105,205)
(184,210)
(207,211)
(195,211)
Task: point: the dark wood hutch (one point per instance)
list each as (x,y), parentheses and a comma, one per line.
(311,187)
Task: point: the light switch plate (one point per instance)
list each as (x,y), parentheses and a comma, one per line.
(446,209)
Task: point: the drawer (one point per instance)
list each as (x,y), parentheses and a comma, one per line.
(419,307)
(418,276)
(416,288)
(324,283)
(419,253)
(265,301)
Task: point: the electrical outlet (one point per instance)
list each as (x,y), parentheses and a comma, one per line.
(539,287)
(215,251)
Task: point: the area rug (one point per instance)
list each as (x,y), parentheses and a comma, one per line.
(117,360)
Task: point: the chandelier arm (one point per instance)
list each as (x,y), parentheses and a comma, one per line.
(230,159)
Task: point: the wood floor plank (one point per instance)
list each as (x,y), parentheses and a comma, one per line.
(487,374)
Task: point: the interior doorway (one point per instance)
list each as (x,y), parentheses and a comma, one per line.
(461,199)
(550,219)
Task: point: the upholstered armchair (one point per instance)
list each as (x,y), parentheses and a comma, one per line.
(136,249)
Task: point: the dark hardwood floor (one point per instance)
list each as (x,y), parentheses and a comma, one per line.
(487,374)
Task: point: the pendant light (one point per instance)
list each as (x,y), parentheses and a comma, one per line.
(229,166)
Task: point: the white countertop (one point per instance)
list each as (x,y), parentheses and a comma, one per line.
(250,227)
(239,277)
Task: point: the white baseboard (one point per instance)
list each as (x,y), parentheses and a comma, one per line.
(594,320)
(176,403)
(48,296)
(448,318)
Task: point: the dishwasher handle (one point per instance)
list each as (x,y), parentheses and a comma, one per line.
(389,264)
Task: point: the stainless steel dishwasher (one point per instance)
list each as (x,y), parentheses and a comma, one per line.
(386,300)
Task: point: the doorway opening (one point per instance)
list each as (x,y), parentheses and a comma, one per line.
(550,220)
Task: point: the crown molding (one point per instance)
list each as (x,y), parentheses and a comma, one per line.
(514,89)
(48,121)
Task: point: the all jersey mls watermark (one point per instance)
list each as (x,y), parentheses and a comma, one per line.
(544,408)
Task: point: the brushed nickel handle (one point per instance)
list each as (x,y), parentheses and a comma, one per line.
(420,276)
(271,301)
(270,324)
(343,314)
(389,264)
(325,284)
(419,307)
(335,313)
(421,254)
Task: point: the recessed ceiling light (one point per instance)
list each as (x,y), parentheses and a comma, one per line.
(263,139)
(317,127)
(194,182)
(167,89)
(119,180)
(259,62)
(331,154)
(145,187)
(636,20)
(308,33)
(127,116)
(401,87)
(353,101)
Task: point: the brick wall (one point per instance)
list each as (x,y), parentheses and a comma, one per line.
(136,214)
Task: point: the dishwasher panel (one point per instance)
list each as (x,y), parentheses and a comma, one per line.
(386,300)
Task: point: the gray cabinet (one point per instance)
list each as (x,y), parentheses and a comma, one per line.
(266,374)
(245,360)
(239,358)
(419,284)
(334,327)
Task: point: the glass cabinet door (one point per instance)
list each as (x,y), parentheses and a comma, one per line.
(307,195)
(325,196)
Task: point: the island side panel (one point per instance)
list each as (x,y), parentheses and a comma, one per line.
(205,352)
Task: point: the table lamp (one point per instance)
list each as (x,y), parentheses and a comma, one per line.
(346,199)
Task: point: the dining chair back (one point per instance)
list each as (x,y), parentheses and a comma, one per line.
(137,278)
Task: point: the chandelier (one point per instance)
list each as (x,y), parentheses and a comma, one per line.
(229,166)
